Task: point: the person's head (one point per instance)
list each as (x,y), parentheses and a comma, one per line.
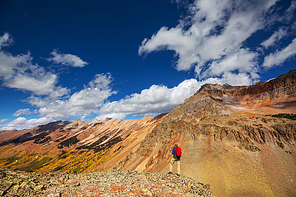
(176,144)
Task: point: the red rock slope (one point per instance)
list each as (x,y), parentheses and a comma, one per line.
(75,146)
(228,141)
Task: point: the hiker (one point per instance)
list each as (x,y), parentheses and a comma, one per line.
(176,158)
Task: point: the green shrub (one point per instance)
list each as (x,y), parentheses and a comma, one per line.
(282,115)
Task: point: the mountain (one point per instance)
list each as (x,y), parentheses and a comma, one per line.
(228,141)
(238,139)
(74,147)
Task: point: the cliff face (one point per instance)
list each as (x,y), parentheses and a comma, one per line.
(274,96)
(228,141)
(229,136)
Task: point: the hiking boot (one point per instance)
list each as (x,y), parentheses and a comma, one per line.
(170,173)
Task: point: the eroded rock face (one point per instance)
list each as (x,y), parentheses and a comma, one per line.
(277,95)
(245,133)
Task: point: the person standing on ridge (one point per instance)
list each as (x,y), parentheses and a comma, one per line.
(177,152)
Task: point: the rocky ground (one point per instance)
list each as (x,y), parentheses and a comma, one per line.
(105,183)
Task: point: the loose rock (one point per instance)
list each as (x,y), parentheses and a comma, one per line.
(104,183)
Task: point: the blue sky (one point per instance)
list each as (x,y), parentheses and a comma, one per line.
(69,60)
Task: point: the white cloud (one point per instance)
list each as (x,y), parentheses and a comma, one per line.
(158,99)
(280,57)
(3,120)
(22,123)
(40,121)
(216,33)
(275,37)
(40,85)
(54,102)
(290,14)
(22,111)
(17,123)
(20,73)
(82,103)
(11,65)
(67,59)
(242,60)
(292,6)
(5,40)
(172,39)
(101,81)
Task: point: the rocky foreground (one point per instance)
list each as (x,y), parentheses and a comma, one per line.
(104,183)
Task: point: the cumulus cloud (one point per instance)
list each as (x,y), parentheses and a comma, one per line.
(52,101)
(242,60)
(3,120)
(40,85)
(20,73)
(81,103)
(11,65)
(159,99)
(281,56)
(22,111)
(101,81)
(22,123)
(156,99)
(173,39)
(213,34)
(67,59)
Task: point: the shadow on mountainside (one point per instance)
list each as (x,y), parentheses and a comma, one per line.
(37,133)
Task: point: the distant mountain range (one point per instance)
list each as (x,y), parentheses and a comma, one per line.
(238,139)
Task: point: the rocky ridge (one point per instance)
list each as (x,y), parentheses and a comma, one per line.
(104,183)
(276,95)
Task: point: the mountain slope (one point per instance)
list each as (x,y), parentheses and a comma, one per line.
(75,146)
(226,142)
